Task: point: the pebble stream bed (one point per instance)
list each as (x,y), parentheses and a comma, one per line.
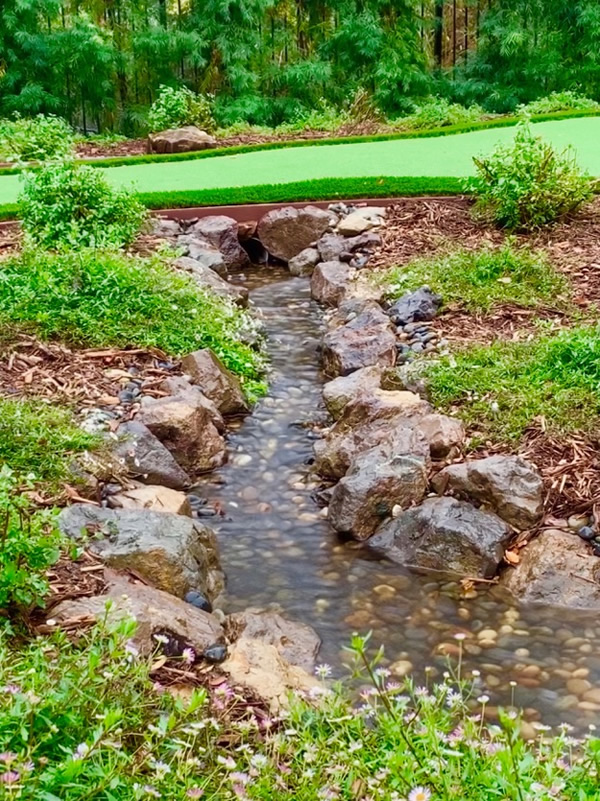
(278,552)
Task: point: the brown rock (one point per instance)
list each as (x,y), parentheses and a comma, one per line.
(159,499)
(287,231)
(362,220)
(180,140)
(344,389)
(443,433)
(215,381)
(365,341)
(207,278)
(146,458)
(222,233)
(179,385)
(304,263)
(330,281)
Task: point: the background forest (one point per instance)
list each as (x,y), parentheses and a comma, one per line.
(100,63)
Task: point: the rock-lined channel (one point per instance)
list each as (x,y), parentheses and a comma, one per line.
(279,551)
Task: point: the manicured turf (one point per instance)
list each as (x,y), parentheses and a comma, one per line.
(448,156)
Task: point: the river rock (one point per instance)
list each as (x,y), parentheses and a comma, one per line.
(180,385)
(444,535)
(388,475)
(146,458)
(443,433)
(208,279)
(330,281)
(331,246)
(156,498)
(556,569)
(184,424)
(222,233)
(509,485)
(163,226)
(365,341)
(411,376)
(296,642)
(172,552)
(304,263)
(216,381)
(206,255)
(155,613)
(180,140)
(287,231)
(417,306)
(362,220)
(339,392)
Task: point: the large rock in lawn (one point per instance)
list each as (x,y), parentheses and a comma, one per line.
(287,231)
(216,381)
(509,485)
(304,263)
(222,233)
(156,498)
(174,553)
(185,425)
(556,569)
(339,392)
(365,341)
(444,535)
(146,458)
(418,306)
(156,613)
(206,255)
(180,140)
(391,474)
(207,278)
(330,281)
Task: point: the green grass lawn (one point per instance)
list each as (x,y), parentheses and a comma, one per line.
(449,156)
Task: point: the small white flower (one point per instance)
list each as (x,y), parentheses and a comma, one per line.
(460,636)
(483,699)
(419,794)
(161,638)
(323,671)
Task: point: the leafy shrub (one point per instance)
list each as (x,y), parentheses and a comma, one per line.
(85,721)
(438,113)
(559,101)
(501,389)
(527,184)
(175,107)
(40,138)
(29,546)
(96,298)
(71,205)
(478,280)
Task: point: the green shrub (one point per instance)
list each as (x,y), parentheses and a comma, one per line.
(40,138)
(439,112)
(559,101)
(95,298)
(28,547)
(528,184)
(503,388)
(71,205)
(478,280)
(174,108)
(86,722)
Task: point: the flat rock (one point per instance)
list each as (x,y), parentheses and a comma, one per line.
(388,475)
(172,552)
(208,279)
(155,613)
(365,341)
(444,535)
(202,252)
(146,458)
(156,498)
(331,246)
(216,381)
(330,281)
(362,220)
(287,231)
(344,389)
(509,485)
(418,306)
(180,140)
(222,232)
(556,569)
(304,263)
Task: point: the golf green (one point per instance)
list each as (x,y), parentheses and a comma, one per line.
(440,156)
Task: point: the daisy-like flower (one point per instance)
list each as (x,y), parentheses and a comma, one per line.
(7,757)
(483,699)
(323,671)
(188,656)
(259,761)
(9,777)
(81,751)
(419,794)
(239,778)
(194,792)
(162,639)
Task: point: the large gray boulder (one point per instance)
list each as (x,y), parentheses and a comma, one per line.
(444,535)
(366,340)
(222,233)
(287,231)
(216,381)
(330,282)
(206,255)
(388,475)
(556,569)
(207,278)
(509,485)
(339,392)
(172,552)
(304,263)
(146,458)
(180,140)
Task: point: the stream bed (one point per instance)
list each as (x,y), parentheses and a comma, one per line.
(279,552)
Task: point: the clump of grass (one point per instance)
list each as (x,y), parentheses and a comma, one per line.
(501,389)
(479,280)
(37,440)
(103,298)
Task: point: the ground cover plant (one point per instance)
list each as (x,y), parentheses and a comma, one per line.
(559,101)
(40,138)
(439,112)
(175,107)
(503,388)
(99,298)
(529,184)
(478,280)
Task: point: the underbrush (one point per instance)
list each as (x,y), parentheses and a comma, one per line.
(38,138)
(437,113)
(501,389)
(81,721)
(560,101)
(479,280)
(94,298)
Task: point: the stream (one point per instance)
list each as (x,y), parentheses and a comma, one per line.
(278,551)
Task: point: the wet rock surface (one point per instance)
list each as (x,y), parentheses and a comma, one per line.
(146,458)
(329,283)
(216,381)
(365,341)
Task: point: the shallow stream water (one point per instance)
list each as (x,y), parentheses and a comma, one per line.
(278,551)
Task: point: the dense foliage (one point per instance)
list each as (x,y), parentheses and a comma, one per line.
(174,108)
(37,139)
